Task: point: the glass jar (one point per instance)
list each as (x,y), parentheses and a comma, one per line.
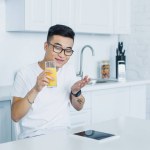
(105,69)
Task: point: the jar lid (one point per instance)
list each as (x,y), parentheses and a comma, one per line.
(105,61)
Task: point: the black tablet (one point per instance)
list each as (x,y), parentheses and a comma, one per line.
(97,135)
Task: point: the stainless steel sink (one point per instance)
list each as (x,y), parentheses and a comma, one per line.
(99,80)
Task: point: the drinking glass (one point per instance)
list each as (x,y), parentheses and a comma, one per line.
(50,69)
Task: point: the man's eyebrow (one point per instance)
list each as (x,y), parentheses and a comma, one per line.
(57,44)
(61,45)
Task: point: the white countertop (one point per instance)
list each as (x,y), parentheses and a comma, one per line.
(115,85)
(134,135)
(5,91)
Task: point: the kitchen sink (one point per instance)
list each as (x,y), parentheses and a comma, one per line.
(99,80)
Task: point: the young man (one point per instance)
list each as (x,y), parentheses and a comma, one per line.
(40,109)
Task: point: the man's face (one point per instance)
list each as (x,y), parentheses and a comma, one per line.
(59,42)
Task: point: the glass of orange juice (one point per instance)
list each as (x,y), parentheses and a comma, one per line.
(50,69)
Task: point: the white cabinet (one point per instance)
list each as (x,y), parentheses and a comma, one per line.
(110,103)
(5,121)
(113,103)
(84,16)
(94,16)
(105,17)
(83,117)
(138,101)
(122,13)
(28,15)
(63,12)
(106,104)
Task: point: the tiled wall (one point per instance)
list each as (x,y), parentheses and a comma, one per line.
(138,44)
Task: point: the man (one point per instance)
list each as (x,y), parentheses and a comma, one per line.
(40,109)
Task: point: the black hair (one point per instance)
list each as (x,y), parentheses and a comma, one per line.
(61,30)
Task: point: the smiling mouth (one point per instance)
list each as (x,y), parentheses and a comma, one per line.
(59,60)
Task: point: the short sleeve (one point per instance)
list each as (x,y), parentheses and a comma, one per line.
(19,88)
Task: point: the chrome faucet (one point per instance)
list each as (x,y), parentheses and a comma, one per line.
(80,74)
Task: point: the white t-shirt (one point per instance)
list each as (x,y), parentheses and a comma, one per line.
(51,107)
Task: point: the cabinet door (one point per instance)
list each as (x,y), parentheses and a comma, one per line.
(5,121)
(110,103)
(63,12)
(28,15)
(122,14)
(138,101)
(94,16)
(38,15)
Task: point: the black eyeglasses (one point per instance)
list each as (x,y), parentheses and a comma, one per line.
(58,49)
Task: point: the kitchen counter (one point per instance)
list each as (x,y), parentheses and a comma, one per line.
(127,83)
(5,91)
(134,134)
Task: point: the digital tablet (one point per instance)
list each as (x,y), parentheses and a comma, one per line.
(97,135)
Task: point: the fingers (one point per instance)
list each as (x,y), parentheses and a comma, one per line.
(86,80)
(80,84)
(43,79)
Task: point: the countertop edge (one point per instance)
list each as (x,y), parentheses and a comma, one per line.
(5,91)
(104,86)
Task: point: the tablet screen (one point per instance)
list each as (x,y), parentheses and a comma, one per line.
(94,134)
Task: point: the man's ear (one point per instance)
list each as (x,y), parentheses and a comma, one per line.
(45,46)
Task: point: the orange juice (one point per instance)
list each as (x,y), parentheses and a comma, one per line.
(53,74)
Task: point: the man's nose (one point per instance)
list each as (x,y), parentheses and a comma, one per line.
(62,53)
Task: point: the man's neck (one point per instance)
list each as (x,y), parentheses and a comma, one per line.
(42,64)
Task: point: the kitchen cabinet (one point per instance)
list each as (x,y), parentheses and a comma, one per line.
(94,16)
(105,104)
(105,17)
(5,121)
(113,103)
(28,15)
(84,16)
(37,15)
(138,101)
(63,12)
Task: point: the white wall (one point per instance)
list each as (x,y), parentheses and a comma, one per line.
(19,48)
(138,44)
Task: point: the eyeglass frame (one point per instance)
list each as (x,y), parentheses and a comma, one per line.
(62,49)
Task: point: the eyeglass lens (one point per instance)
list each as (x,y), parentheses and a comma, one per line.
(58,49)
